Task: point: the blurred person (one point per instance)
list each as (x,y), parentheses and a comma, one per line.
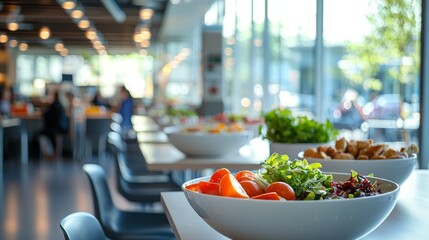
(6,101)
(98,100)
(55,124)
(126,109)
(69,109)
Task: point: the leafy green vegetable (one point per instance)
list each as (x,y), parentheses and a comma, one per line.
(180,112)
(283,127)
(308,182)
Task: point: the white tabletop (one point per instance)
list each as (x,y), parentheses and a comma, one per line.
(143,123)
(164,156)
(408,220)
(152,137)
(9,122)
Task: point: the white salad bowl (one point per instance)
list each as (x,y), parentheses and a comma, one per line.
(204,144)
(314,219)
(397,170)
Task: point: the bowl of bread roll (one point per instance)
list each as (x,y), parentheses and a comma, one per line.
(366,157)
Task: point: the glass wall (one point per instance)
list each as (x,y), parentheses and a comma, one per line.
(370,61)
(375,65)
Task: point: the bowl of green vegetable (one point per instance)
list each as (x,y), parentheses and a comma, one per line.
(289,134)
(326,205)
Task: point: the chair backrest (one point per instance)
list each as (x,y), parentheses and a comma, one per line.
(115,127)
(116,141)
(102,199)
(81,226)
(116,117)
(96,127)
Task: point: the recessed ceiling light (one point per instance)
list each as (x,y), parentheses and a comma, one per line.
(68,5)
(44,33)
(13,26)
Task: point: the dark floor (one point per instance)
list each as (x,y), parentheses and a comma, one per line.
(34,198)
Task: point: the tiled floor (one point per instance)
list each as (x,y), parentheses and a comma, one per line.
(34,199)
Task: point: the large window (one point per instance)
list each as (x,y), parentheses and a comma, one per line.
(35,72)
(355,62)
(375,66)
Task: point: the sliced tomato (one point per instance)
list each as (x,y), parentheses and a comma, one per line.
(194,187)
(283,189)
(209,188)
(218,174)
(245,173)
(252,188)
(230,187)
(245,178)
(268,196)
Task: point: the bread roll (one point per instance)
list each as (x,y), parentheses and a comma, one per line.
(344,156)
(310,152)
(341,144)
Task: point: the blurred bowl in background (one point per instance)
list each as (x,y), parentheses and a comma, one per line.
(206,144)
(397,170)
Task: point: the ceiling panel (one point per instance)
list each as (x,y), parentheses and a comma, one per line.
(118,36)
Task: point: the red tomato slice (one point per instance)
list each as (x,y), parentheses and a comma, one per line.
(283,189)
(230,187)
(245,178)
(218,174)
(268,196)
(209,188)
(252,188)
(245,173)
(193,187)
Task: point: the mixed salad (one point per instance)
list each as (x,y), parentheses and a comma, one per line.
(282,179)
(310,183)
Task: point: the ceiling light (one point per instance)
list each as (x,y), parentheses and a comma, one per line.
(23,47)
(13,26)
(44,33)
(145,34)
(83,24)
(137,37)
(90,34)
(145,43)
(13,43)
(146,13)
(76,13)
(68,5)
(3,38)
(64,52)
(59,46)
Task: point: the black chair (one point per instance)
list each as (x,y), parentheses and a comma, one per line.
(120,224)
(116,118)
(149,188)
(96,130)
(133,168)
(81,226)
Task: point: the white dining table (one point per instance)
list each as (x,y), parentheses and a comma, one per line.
(164,156)
(152,137)
(408,220)
(142,123)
